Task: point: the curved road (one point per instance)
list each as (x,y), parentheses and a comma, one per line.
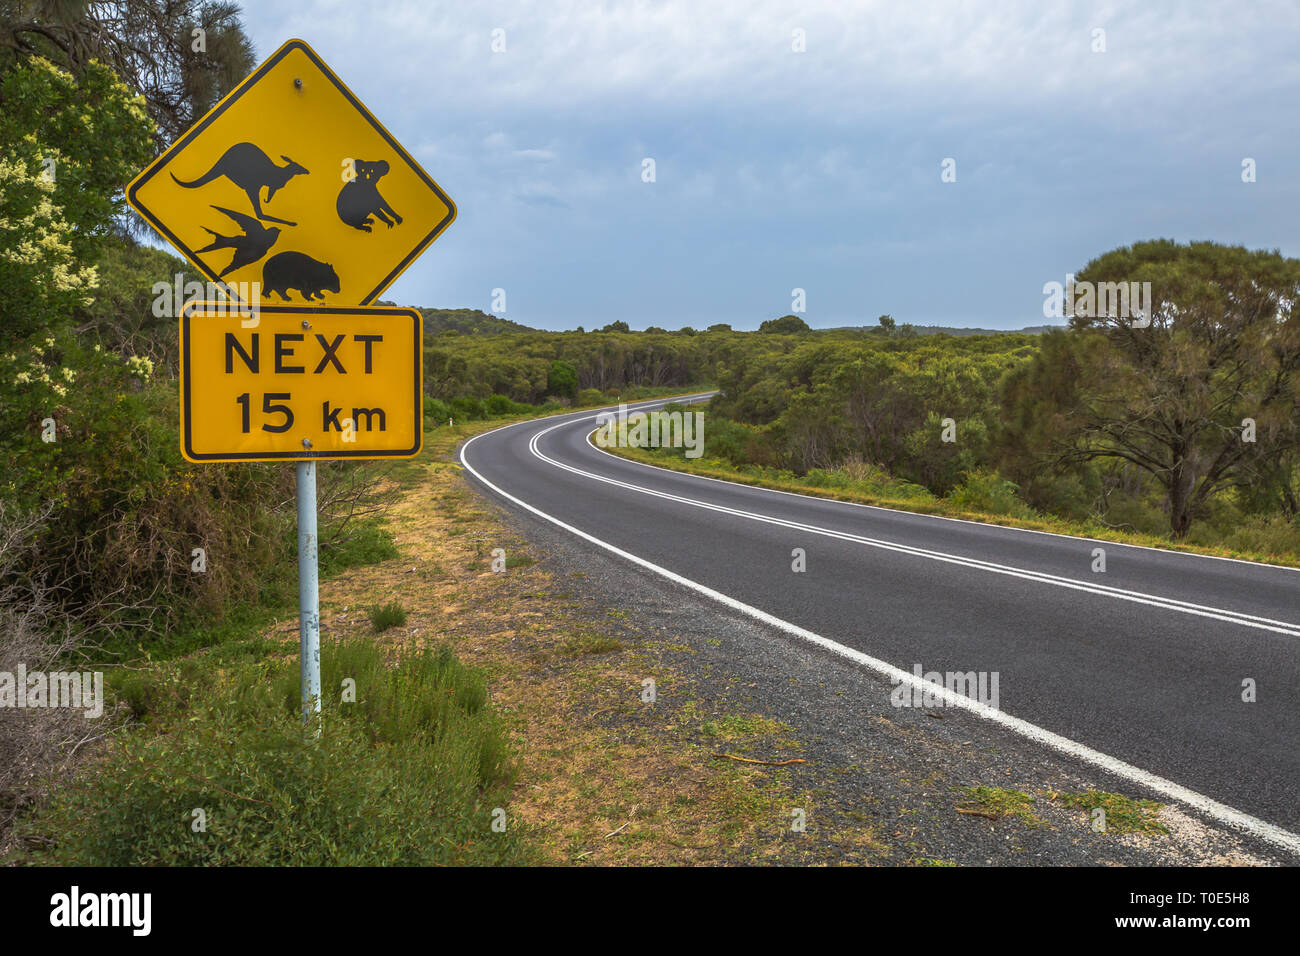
(1138,670)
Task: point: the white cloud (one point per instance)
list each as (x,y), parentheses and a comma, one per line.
(861,60)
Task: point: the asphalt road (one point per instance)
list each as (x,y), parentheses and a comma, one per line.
(1139,669)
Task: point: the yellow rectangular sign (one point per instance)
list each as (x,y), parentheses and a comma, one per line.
(288,383)
(290,190)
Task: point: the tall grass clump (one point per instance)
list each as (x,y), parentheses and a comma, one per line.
(408,767)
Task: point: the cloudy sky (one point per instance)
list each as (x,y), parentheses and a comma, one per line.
(821,169)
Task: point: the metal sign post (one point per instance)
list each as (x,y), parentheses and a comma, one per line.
(308,590)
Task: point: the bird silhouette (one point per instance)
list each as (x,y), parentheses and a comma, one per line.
(251,246)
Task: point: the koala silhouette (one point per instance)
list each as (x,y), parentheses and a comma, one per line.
(359,199)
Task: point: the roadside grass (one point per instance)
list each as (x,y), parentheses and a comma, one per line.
(484,560)
(998,802)
(367,541)
(1123,814)
(408,767)
(742,726)
(870,487)
(748,798)
(384,616)
(587,643)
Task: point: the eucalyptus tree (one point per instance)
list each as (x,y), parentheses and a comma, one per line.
(182,56)
(1199,386)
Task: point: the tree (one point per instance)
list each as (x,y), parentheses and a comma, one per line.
(87,135)
(887,324)
(563,379)
(616,327)
(1173,389)
(181,55)
(785,325)
(719,327)
(68,149)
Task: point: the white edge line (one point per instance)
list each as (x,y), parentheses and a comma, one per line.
(922,514)
(1198,801)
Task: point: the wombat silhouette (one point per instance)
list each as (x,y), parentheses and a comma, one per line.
(359,198)
(252,171)
(295,270)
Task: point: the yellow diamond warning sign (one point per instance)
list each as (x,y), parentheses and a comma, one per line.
(291,191)
(300,382)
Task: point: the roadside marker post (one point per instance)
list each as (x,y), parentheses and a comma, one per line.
(331,377)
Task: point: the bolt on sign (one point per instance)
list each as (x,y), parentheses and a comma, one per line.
(291,183)
(301,382)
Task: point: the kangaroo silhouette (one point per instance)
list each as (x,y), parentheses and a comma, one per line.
(359,198)
(252,171)
(249,247)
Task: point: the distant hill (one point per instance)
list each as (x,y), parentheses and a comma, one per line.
(949,330)
(468,322)
(478,322)
(945,330)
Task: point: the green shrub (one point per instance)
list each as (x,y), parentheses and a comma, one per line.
(123,527)
(1134,514)
(1266,535)
(140,691)
(562,379)
(590,396)
(367,542)
(384,616)
(409,774)
(53,219)
(988,492)
(467,409)
(498,405)
(436,411)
